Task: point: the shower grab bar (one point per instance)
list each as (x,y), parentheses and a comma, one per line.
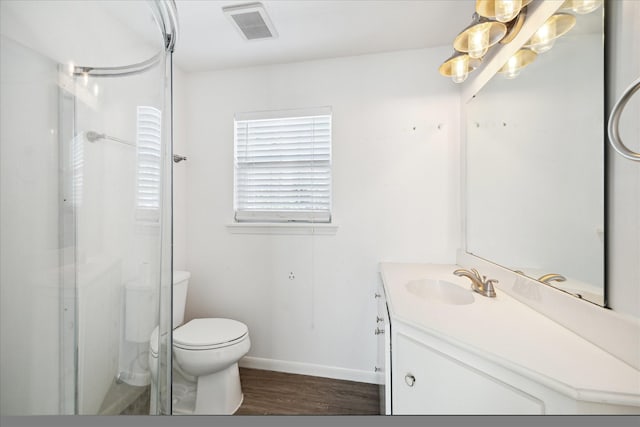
(614,123)
(94,136)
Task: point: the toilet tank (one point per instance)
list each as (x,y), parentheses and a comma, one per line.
(180,285)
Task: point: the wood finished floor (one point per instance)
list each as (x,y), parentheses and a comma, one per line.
(278,393)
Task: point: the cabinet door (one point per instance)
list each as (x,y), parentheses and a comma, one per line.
(429,382)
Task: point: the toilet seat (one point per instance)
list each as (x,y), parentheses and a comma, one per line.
(211,333)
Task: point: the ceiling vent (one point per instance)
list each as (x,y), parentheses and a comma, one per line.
(251,20)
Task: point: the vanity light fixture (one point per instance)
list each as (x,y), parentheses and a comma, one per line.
(581,7)
(458,66)
(554,27)
(500,21)
(481,34)
(517,62)
(500,10)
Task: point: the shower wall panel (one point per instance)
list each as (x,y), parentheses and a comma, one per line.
(30,259)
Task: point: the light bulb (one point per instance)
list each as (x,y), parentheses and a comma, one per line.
(96,89)
(517,62)
(506,10)
(544,38)
(478,41)
(71,68)
(85,78)
(512,68)
(585,6)
(460,68)
(543,47)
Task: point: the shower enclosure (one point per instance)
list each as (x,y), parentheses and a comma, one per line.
(85,206)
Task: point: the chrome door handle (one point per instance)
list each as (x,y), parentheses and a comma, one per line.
(379,331)
(377,295)
(379,319)
(614,123)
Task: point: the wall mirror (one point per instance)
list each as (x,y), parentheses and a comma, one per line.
(535,166)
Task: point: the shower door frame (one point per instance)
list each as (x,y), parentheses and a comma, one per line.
(67,239)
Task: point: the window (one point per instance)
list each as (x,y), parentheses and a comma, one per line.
(77,165)
(283,166)
(148,156)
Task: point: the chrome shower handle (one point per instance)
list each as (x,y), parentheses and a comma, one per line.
(614,119)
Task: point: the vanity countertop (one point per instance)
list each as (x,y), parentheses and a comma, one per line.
(513,335)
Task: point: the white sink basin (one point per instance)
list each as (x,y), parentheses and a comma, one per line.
(440,291)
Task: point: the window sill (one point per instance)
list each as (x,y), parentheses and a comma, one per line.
(285,228)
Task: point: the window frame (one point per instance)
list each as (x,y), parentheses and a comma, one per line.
(282,216)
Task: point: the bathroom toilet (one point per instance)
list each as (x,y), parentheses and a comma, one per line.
(205,353)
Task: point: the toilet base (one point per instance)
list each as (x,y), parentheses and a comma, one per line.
(219,393)
(185,395)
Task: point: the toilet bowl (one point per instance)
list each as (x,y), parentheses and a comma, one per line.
(205,355)
(209,349)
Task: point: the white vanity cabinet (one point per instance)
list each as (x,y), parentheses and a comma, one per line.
(426,381)
(496,356)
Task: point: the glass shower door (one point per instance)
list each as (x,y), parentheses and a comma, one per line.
(85,261)
(114,174)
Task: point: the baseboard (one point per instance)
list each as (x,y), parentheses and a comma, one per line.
(309,369)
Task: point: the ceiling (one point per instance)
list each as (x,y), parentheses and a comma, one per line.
(315,29)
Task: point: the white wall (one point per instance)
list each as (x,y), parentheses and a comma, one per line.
(395,198)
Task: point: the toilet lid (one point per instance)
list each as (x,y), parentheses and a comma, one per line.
(209,332)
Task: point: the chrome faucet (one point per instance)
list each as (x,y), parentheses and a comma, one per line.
(479,284)
(550,277)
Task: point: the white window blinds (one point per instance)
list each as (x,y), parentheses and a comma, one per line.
(283,166)
(148,157)
(77,165)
